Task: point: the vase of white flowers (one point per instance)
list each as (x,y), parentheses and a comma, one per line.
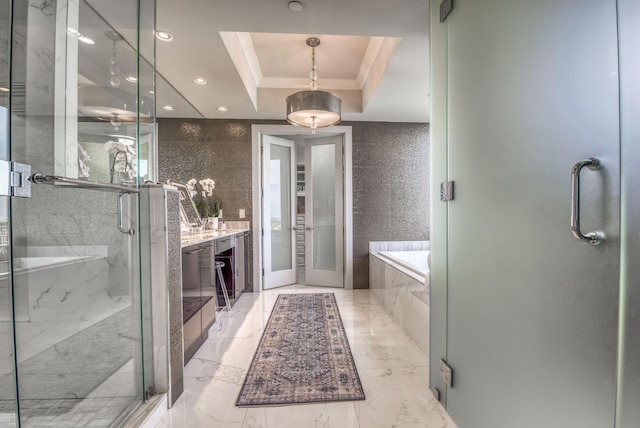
(202,194)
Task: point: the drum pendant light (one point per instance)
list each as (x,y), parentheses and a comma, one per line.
(313,109)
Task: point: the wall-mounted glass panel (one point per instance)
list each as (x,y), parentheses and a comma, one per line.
(8,403)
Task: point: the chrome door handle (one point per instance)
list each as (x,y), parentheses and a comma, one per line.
(82,184)
(593,238)
(294,228)
(121,228)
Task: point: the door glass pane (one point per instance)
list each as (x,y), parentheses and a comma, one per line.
(8,417)
(76,275)
(280,191)
(323,167)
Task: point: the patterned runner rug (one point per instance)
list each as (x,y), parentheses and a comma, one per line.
(303,356)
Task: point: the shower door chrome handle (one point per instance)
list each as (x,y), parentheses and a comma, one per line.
(121,228)
(77,183)
(593,238)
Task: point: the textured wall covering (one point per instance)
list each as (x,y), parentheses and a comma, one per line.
(391,193)
(390,175)
(217,149)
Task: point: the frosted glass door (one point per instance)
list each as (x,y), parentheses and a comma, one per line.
(278,206)
(532,311)
(324,213)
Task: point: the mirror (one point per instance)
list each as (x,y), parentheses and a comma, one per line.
(188,212)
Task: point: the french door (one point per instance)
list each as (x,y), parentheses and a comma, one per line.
(324,207)
(278,211)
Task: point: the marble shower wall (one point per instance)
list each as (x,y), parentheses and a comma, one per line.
(390,175)
(73,217)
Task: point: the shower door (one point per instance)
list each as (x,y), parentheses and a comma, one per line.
(75,121)
(532,312)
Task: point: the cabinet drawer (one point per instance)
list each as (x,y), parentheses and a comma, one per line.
(223,244)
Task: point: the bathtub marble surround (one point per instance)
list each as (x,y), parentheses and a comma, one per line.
(378,246)
(403,294)
(393,371)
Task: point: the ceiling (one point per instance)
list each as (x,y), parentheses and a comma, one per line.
(374,54)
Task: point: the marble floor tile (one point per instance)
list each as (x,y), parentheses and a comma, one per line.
(332,415)
(399,397)
(393,371)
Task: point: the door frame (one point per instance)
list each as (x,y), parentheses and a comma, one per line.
(256,225)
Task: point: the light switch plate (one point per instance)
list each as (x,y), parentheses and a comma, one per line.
(241,214)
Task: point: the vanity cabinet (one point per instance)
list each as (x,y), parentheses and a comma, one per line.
(201,285)
(198,296)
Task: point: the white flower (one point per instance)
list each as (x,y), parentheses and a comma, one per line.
(207,187)
(191,186)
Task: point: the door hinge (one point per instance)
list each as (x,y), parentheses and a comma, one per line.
(446,191)
(262,271)
(436,393)
(446,373)
(148,393)
(14,179)
(445,9)
(263,232)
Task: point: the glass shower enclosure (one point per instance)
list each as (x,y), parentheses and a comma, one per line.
(77,135)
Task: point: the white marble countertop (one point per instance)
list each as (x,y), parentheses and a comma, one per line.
(190,239)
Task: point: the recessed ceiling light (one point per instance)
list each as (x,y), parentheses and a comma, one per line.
(132,79)
(151,92)
(200,81)
(222,108)
(86,40)
(295,6)
(164,36)
(3,89)
(168,107)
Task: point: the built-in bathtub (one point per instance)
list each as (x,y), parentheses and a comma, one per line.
(399,279)
(415,261)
